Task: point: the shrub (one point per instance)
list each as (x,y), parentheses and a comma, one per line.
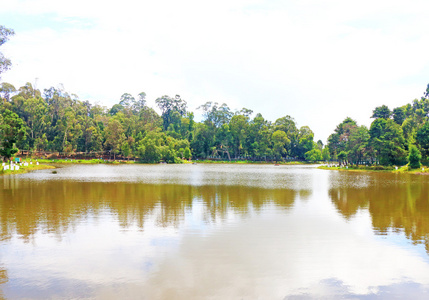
(414,157)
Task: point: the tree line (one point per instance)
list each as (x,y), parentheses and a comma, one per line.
(59,122)
(395,137)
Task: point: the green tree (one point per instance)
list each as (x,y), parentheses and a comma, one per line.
(187,153)
(12,130)
(239,130)
(35,113)
(387,139)
(325,154)
(150,152)
(399,115)
(126,100)
(259,137)
(288,125)
(215,114)
(338,141)
(6,90)
(115,109)
(203,140)
(114,136)
(280,142)
(381,112)
(305,142)
(422,138)
(414,157)
(169,105)
(342,156)
(139,104)
(358,144)
(313,155)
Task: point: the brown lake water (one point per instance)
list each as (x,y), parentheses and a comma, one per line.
(213,232)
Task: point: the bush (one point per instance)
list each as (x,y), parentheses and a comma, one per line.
(414,157)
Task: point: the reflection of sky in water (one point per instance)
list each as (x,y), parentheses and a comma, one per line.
(304,252)
(268,176)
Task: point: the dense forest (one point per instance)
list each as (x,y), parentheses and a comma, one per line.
(58,122)
(395,137)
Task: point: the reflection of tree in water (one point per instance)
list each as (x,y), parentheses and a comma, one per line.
(349,200)
(57,206)
(3,279)
(395,203)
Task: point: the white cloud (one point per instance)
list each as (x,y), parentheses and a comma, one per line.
(306,59)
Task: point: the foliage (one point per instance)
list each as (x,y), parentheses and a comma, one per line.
(12,130)
(388,142)
(422,139)
(325,154)
(314,155)
(381,112)
(414,157)
(387,138)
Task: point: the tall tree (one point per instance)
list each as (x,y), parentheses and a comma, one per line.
(280,142)
(5,34)
(114,136)
(338,141)
(126,100)
(422,139)
(381,112)
(358,144)
(215,114)
(387,139)
(169,105)
(399,115)
(139,104)
(305,142)
(414,157)
(288,125)
(6,90)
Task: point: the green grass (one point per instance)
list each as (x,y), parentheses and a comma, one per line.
(378,168)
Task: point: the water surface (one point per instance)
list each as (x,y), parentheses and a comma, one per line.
(213,232)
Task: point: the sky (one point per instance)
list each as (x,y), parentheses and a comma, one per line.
(317,61)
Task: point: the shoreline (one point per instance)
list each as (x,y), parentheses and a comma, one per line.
(202,161)
(423,170)
(27,169)
(47,164)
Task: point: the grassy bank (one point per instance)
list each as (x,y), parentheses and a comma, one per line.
(423,170)
(26,169)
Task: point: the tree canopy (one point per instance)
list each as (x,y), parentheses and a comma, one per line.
(394,137)
(56,121)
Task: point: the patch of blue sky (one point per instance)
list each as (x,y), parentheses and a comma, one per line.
(400,239)
(21,22)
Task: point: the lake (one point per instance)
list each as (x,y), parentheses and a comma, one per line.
(213,232)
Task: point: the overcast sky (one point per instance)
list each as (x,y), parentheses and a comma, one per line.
(317,61)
